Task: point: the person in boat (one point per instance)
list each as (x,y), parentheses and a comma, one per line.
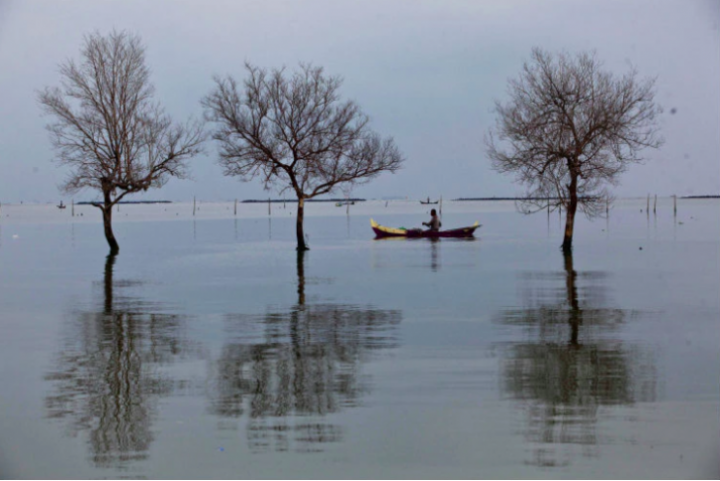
(434,224)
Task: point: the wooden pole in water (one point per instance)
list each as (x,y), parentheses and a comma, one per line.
(72,207)
(655,205)
(193,205)
(235,213)
(560,214)
(269,212)
(675,205)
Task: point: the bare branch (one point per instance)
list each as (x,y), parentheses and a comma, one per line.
(294,129)
(570,128)
(107,128)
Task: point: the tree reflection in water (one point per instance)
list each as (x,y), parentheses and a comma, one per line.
(286,371)
(572,363)
(107,380)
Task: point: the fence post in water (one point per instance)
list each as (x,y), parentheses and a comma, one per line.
(607,214)
(560,206)
(193,206)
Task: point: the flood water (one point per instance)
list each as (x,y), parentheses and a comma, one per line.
(209,349)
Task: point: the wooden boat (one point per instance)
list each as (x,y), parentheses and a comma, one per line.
(382,231)
(428,202)
(61,205)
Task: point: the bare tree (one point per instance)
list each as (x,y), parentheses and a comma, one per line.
(108,129)
(569,129)
(295,130)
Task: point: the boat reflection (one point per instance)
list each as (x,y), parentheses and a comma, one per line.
(434,243)
(572,365)
(287,370)
(107,380)
(434,264)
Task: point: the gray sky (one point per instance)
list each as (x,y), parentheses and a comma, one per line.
(426,72)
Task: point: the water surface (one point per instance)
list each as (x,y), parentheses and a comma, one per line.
(209,349)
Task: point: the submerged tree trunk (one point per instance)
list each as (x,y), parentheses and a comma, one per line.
(301,277)
(107,222)
(299,226)
(108,283)
(570,214)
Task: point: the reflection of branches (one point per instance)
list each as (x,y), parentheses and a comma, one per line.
(568,368)
(106,380)
(304,362)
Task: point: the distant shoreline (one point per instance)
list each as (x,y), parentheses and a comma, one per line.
(259,201)
(465,199)
(86,202)
(353,199)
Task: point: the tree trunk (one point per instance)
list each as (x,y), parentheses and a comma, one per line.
(108,283)
(301,277)
(570,214)
(107,221)
(299,226)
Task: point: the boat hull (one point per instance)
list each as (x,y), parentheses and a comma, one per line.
(382,231)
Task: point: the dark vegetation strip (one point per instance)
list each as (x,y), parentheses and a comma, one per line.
(85,202)
(257,201)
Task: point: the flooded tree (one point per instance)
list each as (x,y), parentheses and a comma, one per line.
(295,130)
(569,129)
(108,129)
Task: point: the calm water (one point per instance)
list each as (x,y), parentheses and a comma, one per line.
(208,349)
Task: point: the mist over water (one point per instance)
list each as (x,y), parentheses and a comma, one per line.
(209,349)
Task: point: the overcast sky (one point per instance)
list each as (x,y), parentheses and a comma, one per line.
(426,72)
